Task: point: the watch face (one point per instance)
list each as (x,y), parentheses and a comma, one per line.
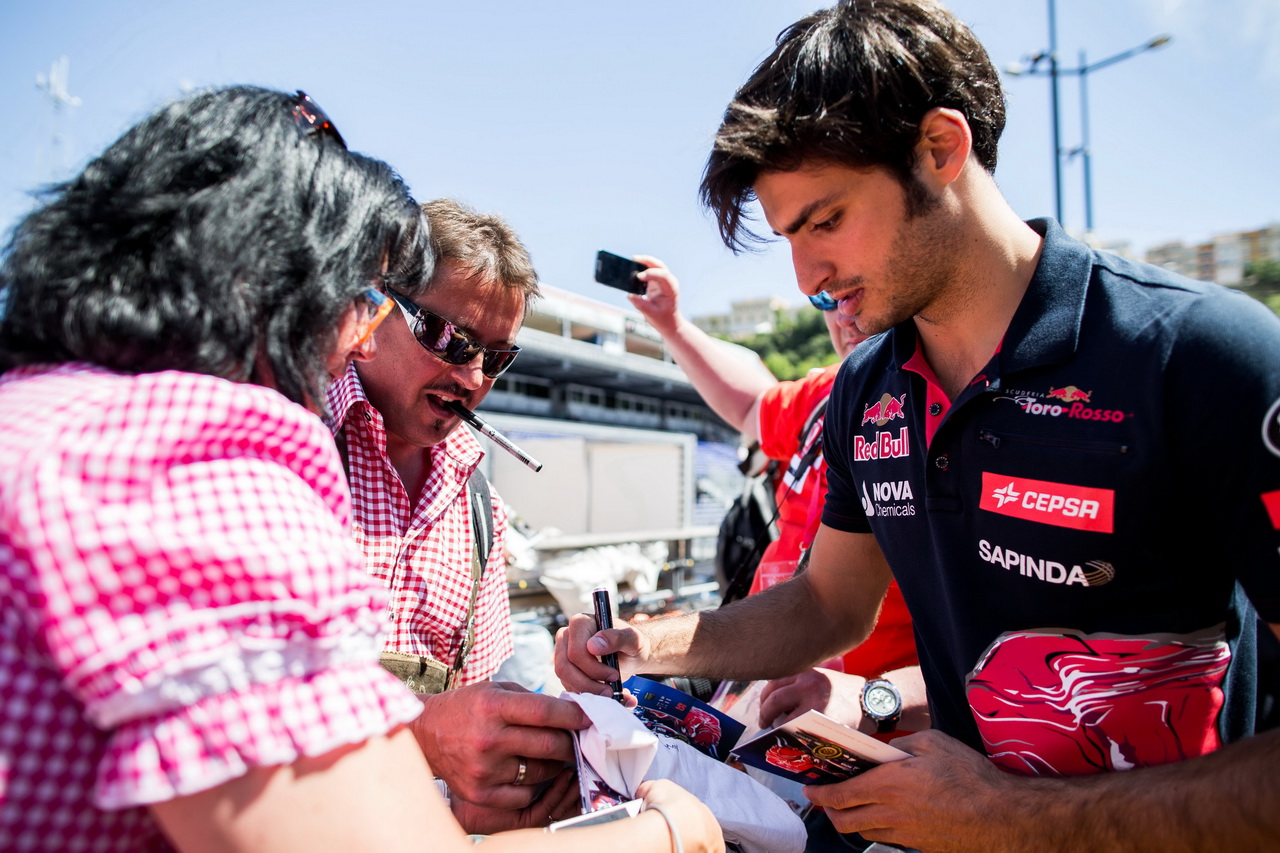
(881,701)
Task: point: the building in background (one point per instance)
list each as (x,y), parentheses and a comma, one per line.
(1223,258)
(747,317)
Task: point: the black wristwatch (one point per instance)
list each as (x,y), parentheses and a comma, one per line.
(882,702)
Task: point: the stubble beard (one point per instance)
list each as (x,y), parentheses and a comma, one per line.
(919,262)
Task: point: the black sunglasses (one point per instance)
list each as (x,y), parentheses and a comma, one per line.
(311,119)
(448,343)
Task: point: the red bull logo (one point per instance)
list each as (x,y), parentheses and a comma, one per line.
(882,446)
(884,410)
(1069,394)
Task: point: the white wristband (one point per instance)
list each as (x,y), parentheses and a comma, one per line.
(671,825)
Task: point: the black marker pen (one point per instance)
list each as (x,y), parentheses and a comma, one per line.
(604,621)
(493,435)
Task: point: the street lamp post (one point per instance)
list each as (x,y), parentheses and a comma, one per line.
(1031,65)
(1084,70)
(1053,97)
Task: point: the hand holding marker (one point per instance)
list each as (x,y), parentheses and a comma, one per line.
(604,621)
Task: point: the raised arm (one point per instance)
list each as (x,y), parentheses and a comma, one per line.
(823,612)
(730,378)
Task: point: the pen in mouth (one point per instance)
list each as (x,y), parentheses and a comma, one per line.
(492,434)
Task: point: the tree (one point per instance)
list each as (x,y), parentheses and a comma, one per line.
(1264,274)
(1262,280)
(795,346)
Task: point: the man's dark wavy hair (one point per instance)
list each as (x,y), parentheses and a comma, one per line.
(213,237)
(849,85)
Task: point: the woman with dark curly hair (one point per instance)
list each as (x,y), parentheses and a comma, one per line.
(189,643)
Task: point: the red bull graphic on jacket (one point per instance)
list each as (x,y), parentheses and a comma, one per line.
(1053,703)
(883,445)
(1069,394)
(884,410)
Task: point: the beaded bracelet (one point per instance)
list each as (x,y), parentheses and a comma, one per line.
(671,825)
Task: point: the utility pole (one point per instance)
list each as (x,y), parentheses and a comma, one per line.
(1053,95)
(1031,65)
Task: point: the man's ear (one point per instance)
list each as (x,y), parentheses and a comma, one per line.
(945,145)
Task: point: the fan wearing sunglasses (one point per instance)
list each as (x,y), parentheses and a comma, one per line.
(409,469)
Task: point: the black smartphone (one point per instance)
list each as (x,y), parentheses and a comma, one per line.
(617,271)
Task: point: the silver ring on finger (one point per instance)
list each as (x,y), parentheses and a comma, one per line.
(520,772)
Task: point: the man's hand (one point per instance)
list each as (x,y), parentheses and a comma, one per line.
(836,694)
(476,737)
(660,303)
(579,645)
(560,800)
(947,797)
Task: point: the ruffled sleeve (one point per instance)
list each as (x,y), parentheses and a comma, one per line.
(202,594)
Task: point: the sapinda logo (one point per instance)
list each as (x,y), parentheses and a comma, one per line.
(1059,504)
(1092,573)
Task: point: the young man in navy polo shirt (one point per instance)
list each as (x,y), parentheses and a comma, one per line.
(1089,447)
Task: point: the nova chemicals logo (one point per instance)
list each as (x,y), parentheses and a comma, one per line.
(1059,504)
(1092,573)
(888,499)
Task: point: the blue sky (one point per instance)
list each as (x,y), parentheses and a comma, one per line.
(587,123)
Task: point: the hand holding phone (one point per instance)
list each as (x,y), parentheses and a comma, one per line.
(616,271)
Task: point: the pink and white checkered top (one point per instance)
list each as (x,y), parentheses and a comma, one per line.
(422,553)
(182,600)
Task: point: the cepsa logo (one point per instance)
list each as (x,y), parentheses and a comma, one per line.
(1059,504)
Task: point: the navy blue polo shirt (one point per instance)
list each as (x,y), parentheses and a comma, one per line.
(1072,531)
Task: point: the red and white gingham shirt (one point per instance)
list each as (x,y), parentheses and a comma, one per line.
(423,553)
(181,600)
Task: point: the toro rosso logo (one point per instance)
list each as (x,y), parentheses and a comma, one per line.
(1070,403)
(886,409)
(1059,504)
